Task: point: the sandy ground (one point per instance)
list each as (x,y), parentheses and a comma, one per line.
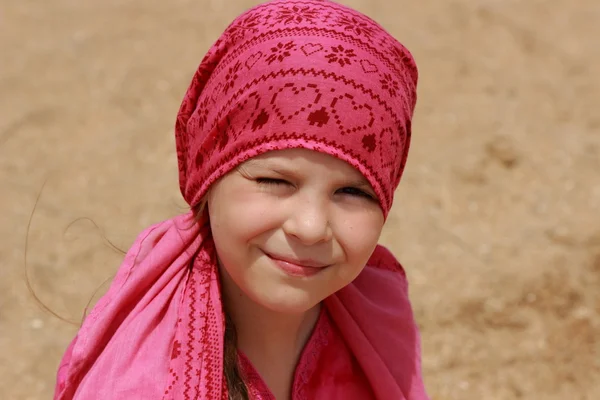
(497,219)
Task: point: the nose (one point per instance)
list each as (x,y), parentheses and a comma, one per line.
(309,221)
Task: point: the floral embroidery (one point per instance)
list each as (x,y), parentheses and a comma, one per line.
(388,83)
(203,110)
(400,57)
(248,23)
(231,76)
(340,55)
(396,53)
(358,27)
(297,15)
(281,51)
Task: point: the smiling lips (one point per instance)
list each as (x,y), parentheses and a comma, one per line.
(298,268)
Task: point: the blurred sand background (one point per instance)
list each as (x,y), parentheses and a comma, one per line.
(497,220)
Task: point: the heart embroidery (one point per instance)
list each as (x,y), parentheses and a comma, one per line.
(311,48)
(368,66)
(320,110)
(253,59)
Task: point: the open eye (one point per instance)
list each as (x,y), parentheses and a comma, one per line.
(352,191)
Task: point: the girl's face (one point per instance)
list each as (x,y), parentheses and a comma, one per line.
(292,227)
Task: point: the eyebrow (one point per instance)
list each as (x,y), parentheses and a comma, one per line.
(361,182)
(271,166)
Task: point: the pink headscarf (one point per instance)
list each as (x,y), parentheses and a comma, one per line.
(286,74)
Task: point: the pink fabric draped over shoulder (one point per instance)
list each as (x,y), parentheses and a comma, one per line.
(286,74)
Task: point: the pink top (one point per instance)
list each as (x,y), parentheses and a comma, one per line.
(326,370)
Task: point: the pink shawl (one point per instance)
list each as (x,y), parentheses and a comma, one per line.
(310,74)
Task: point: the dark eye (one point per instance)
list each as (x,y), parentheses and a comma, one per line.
(352,191)
(271,181)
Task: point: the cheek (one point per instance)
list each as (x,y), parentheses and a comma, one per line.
(358,237)
(238,214)
(233,224)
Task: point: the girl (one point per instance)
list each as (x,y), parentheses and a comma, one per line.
(291,140)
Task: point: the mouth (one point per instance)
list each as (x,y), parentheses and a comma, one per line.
(297,268)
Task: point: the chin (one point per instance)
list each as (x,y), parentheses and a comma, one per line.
(286,300)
